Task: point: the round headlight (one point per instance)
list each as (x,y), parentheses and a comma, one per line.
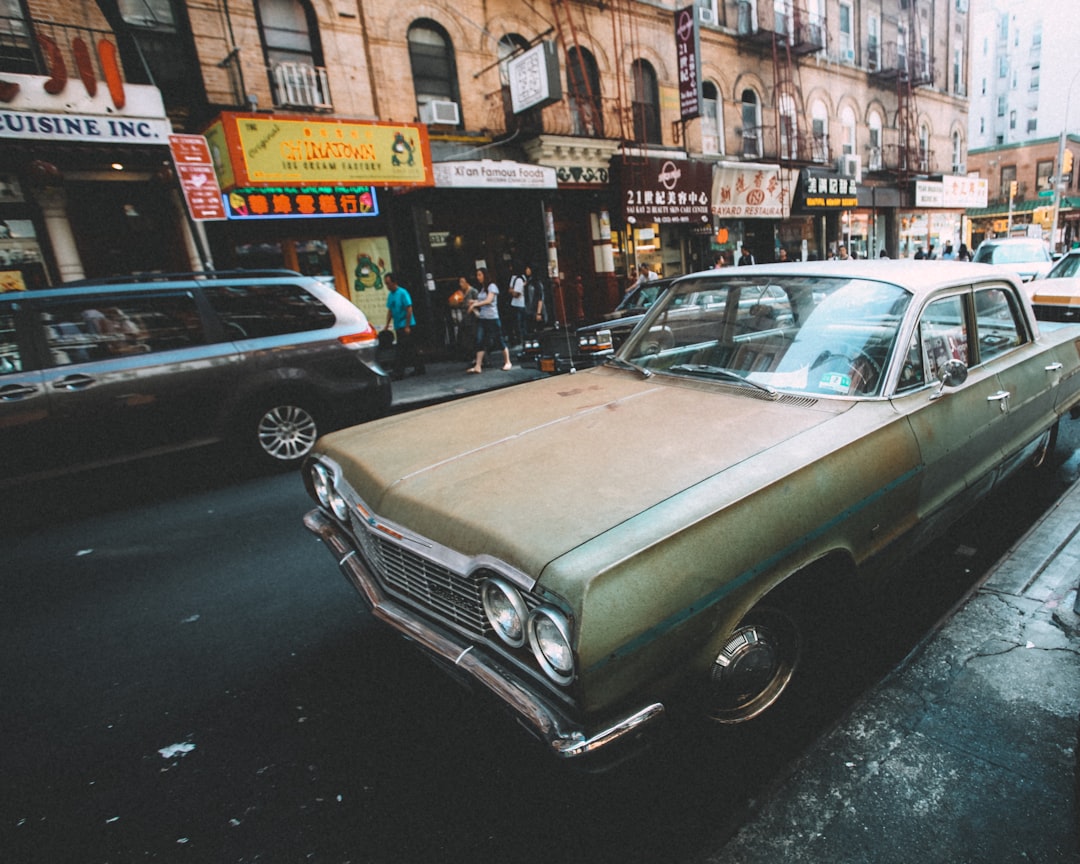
(505,610)
(339,505)
(549,637)
(321,482)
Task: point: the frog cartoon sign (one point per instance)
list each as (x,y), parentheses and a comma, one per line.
(367,260)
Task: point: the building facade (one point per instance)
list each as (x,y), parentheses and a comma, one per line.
(433,138)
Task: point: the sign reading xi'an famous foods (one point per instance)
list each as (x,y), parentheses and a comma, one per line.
(256,150)
(666,190)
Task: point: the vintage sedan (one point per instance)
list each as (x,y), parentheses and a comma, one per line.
(597,550)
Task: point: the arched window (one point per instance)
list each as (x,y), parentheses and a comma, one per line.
(847,131)
(434,74)
(293,56)
(957,153)
(751,124)
(789,127)
(289,32)
(646,103)
(820,120)
(583,81)
(874,123)
(924,149)
(712,119)
(509,46)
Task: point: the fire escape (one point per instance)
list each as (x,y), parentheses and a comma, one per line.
(906,65)
(787,30)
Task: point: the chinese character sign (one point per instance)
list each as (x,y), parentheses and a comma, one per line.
(688,52)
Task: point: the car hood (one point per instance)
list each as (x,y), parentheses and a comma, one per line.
(530,472)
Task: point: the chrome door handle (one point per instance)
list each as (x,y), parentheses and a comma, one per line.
(1054,367)
(74,382)
(16,391)
(1002,398)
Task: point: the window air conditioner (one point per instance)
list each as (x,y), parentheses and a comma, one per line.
(707,15)
(848,165)
(438,112)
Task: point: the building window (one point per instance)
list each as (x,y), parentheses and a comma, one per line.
(583,81)
(874,126)
(789,129)
(958,71)
(819,121)
(873,42)
(1008,174)
(924,149)
(847,130)
(847,43)
(1033,83)
(286,27)
(1012,119)
(957,153)
(646,105)
(751,124)
(712,119)
(1003,67)
(1001,106)
(1032,124)
(16,40)
(434,73)
(1043,172)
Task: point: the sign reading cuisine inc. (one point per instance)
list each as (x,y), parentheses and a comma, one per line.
(273,151)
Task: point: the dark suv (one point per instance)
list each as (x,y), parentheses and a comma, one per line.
(101,371)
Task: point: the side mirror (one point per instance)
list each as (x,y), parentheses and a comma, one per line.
(952,374)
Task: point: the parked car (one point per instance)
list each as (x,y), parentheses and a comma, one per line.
(647,541)
(1028,257)
(563,350)
(107,370)
(1066,267)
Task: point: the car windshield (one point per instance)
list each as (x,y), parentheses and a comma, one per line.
(1012,253)
(808,334)
(1067,267)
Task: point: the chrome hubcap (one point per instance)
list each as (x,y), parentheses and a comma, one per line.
(754,667)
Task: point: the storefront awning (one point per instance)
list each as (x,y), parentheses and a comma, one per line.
(1026,206)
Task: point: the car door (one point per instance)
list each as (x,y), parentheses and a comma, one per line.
(128,372)
(1028,376)
(959,429)
(26,423)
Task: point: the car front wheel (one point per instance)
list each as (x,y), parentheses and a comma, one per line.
(283,433)
(754,666)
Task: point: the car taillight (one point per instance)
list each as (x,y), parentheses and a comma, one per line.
(364,337)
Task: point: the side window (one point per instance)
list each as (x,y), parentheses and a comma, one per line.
(256,311)
(940,336)
(10,356)
(997,321)
(104,327)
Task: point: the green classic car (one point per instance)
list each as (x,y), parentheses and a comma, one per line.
(594,549)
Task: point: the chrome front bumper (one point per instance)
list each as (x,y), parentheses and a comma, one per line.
(550,724)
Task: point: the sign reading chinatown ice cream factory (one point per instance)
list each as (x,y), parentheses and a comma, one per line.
(261,150)
(666,190)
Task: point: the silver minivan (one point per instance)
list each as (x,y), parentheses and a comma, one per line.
(107,370)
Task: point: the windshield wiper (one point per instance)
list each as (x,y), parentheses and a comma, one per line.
(626,364)
(708,371)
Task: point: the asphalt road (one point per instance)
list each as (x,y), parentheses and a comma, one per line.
(185,676)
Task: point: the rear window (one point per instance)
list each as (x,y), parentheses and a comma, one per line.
(1012,253)
(257,311)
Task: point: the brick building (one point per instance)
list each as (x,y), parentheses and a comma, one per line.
(583,138)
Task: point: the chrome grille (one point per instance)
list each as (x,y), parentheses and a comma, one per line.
(430,586)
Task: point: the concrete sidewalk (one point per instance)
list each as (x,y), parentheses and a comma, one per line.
(967,751)
(449,380)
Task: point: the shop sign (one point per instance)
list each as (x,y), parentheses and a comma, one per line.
(822,191)
(748,190)
(191,158)
(299,202)
(688,51)
(56,126)
(534,77)
(963,192)
(493,174)
(666,190)
(272,151)
(928,194)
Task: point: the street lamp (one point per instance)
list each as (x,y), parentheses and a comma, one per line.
(1059,178)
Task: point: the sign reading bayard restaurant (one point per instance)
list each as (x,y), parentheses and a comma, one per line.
(666,190)
(748,190)
(257,150)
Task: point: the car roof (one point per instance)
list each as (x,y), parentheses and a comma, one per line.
(158,282)
(918,277)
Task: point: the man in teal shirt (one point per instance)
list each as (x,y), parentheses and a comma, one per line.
(399,313)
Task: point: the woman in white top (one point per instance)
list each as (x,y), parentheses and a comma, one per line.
(488,327)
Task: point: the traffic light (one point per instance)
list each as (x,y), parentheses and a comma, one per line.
(1066,163)
(1012,188)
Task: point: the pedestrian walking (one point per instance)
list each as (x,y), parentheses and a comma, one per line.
(488,326)
(399,314)
(518,308)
